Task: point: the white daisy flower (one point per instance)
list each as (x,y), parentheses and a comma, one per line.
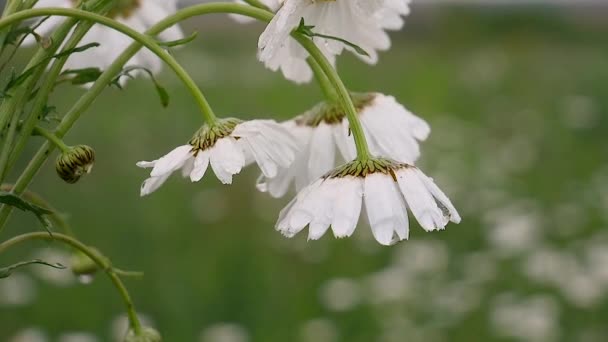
(228,146)
(387,188)
(389,128)
(361,22)
(137,14)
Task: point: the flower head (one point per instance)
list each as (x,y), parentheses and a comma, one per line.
(390,130)
(360,22)
(75,163)
(140,15)
(388,189)
(228,146)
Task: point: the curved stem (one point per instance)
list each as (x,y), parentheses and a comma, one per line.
(328,89)
(102,262)
(343,94)
(40,101)
(52,138)
(139,37)
(258,4)
(88,98)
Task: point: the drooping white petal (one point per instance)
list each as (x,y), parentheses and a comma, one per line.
(201,162)
(440,197)
(347,207)
(152,184)
(226,159)
(385,210)
(420,201)
(172,161)
(322,153)
(300,211)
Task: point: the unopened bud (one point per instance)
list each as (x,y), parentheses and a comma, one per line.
(147,335)
(82,264)
(74,163)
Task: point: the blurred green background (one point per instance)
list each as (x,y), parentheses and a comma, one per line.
(517,100)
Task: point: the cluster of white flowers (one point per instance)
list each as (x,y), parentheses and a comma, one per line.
(332,187)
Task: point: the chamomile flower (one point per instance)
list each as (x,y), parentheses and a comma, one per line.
(140,15)
(387,188)
(360,22)
(389,128)
(227,146)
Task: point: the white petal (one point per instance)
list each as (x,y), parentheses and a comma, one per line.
(347,207)
(201,162)
(419,200)
(440,196)
(152,184)
(172,161)
(322,153)
(385,210)
(227,159)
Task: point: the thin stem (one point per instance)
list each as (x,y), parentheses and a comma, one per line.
(88,98)
(145,40)
(45,89)
(258,4)
(8,143)
(50,136)
(13,104)
(101,261)
(343,94)
(55,216)
(326,86)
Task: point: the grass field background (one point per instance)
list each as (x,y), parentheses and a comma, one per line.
(518,102)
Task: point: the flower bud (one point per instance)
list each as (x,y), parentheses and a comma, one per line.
(74,163)
(147,335)
(82,265)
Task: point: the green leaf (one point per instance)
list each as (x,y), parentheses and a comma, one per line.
(76,50)
(13,37)
(307,31)
(179,42)
(15,81)
(6,272)
(82,76)
(163,94)
(40,212)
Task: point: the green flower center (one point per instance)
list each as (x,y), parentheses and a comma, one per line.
(206,137)
(331,113)
(362,168)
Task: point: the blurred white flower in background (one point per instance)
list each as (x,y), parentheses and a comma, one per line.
(138,15)
(78,336)
(534,319)
(17,290)
(340,294)
(29,335)
(56,277)
(319,330)
(224,332)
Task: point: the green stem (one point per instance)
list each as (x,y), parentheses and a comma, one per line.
(88,98)
(52,138)
(326,87)
(13,104)
(258,4)
(343,94)
(101,261)
(56,217)
(45,89)
(145,40)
